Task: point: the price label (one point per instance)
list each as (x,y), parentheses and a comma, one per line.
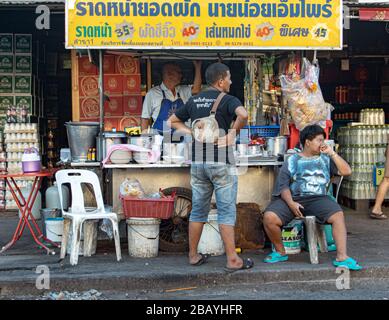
(379,173)
(320,32)
(190,30)
(125,31)
(265,31)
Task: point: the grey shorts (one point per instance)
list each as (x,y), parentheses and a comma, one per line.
(322,207)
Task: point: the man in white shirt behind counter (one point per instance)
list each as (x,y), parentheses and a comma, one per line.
(162,101)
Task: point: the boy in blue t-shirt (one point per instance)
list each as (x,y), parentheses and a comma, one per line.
(301,190)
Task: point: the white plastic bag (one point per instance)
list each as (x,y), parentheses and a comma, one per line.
(304,96)
(132,187)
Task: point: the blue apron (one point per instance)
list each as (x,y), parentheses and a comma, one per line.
(167,109)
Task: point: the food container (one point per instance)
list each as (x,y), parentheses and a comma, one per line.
(141,157)
(121,157)
(255,150)
(31,161)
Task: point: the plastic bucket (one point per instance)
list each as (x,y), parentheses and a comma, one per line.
(143,237)
(292,245)
(47,214)
(81,137)
(54,229)
(211,241)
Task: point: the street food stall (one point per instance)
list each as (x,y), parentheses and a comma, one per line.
(134,39)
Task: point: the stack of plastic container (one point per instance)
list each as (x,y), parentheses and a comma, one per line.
(363,147)
(17,137)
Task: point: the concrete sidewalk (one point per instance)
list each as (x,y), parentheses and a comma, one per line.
(368,242)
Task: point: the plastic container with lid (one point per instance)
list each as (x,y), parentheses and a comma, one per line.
(31,161)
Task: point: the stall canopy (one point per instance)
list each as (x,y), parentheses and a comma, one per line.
(204,24)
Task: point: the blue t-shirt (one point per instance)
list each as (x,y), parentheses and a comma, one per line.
(305,176)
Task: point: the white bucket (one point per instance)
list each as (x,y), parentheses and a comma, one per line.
(143,237)
(211,241)
(54,229)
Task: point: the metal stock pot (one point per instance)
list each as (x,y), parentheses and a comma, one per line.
(277,145)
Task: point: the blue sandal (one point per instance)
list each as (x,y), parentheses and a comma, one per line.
(349,263)
(275,257)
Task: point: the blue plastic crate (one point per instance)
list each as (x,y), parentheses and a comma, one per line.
(262,131)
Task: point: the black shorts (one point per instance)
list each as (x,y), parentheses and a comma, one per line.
(322,207)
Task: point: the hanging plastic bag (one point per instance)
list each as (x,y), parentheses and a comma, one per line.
(132,187)
(304,96)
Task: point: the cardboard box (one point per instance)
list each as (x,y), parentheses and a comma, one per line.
(89,86)
(90,119)
(23,64)
(111,123)
(6,83)
(89,107)
(22,84)
(85,67)
(132,105)
(6,42)
(113,84)
(114,107)
(131,84)
(109,64)
(6,102)
(385,93)
(129,122)
(6,63)
(127,65)
(24,101)
(23,43)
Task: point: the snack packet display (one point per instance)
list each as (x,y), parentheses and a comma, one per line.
(305,99)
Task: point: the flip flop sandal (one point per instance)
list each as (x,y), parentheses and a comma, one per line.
(203,259)
(378,216)
(349,263)
(247,264)
(275,257)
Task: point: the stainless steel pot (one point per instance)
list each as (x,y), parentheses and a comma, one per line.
(276,145)
(81,137)
(109,138)
(145,141)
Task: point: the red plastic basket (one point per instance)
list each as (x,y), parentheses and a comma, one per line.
(162,208)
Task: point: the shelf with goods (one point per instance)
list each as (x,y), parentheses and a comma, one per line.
(363,147)
(17,138)
(347,113)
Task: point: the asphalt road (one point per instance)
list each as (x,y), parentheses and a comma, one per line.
(360,289)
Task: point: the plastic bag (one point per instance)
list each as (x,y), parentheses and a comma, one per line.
(132,187)
(305,99)
(106,227)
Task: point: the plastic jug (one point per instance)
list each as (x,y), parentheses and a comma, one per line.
(52,197)
(37,204)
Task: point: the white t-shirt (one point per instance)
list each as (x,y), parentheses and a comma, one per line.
(153,99)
